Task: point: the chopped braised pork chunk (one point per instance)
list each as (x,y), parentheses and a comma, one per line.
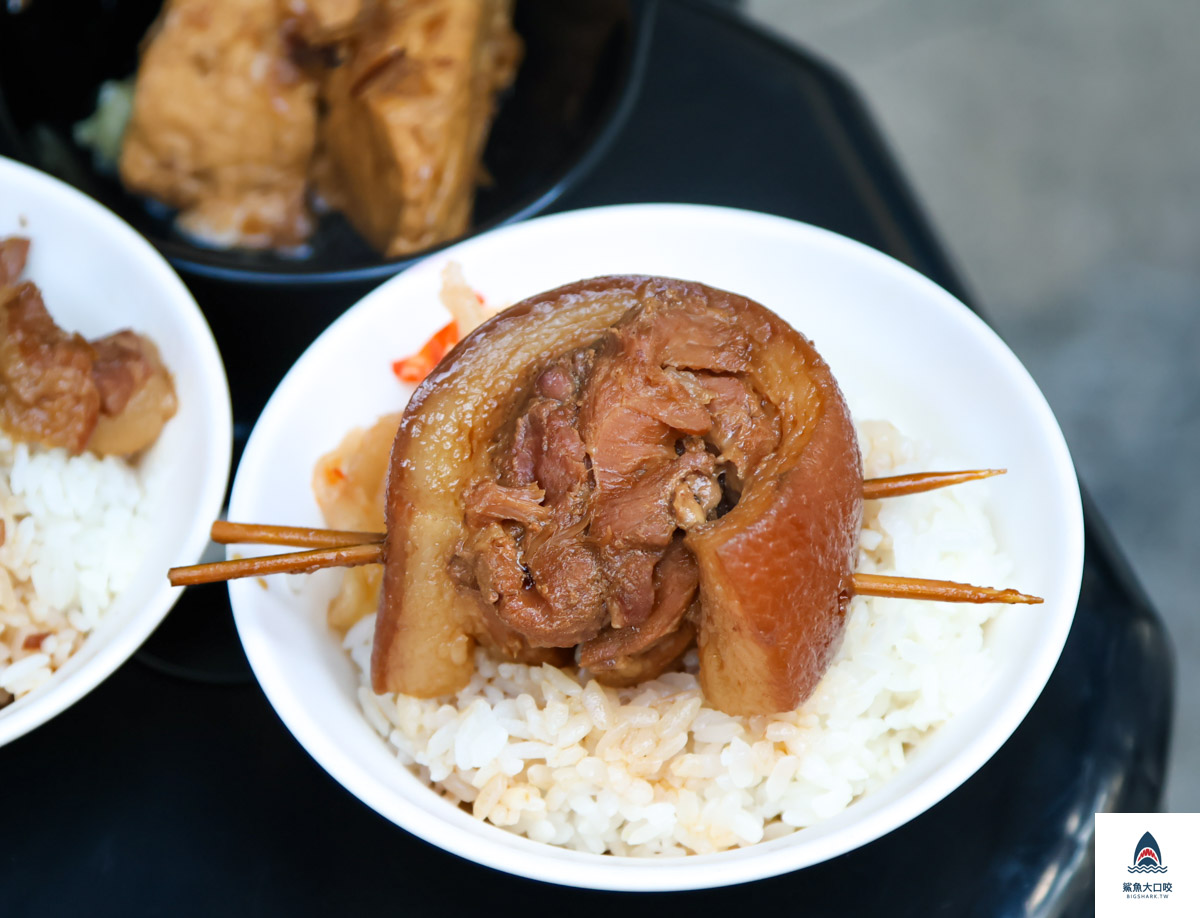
(47,394)
(112,395)
(137,395)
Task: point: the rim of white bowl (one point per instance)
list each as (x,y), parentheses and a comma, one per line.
(52,699)
(520,856)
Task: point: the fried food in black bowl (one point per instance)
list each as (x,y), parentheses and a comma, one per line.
(576,76)
(575,71)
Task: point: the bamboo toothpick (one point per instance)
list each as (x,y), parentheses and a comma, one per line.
(300,562)
(335,552)
(341,548)
(900,485)
(936,590)
(226,533)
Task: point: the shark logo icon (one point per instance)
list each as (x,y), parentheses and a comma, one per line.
(1147,857)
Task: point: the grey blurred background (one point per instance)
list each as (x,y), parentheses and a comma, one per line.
(1056,146)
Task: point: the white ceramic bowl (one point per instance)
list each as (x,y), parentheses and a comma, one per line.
(902,348)
(97,276)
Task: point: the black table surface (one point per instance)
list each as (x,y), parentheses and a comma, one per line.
(173,789)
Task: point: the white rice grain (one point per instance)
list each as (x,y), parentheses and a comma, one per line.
(74,536)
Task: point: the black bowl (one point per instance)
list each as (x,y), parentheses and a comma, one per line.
(575,85)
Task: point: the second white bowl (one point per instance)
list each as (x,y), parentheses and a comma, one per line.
(97,276)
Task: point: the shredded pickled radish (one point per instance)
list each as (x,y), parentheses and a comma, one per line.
(415,368)
(468,308)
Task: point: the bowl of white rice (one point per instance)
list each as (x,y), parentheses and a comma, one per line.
(88,540)
(547,774)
